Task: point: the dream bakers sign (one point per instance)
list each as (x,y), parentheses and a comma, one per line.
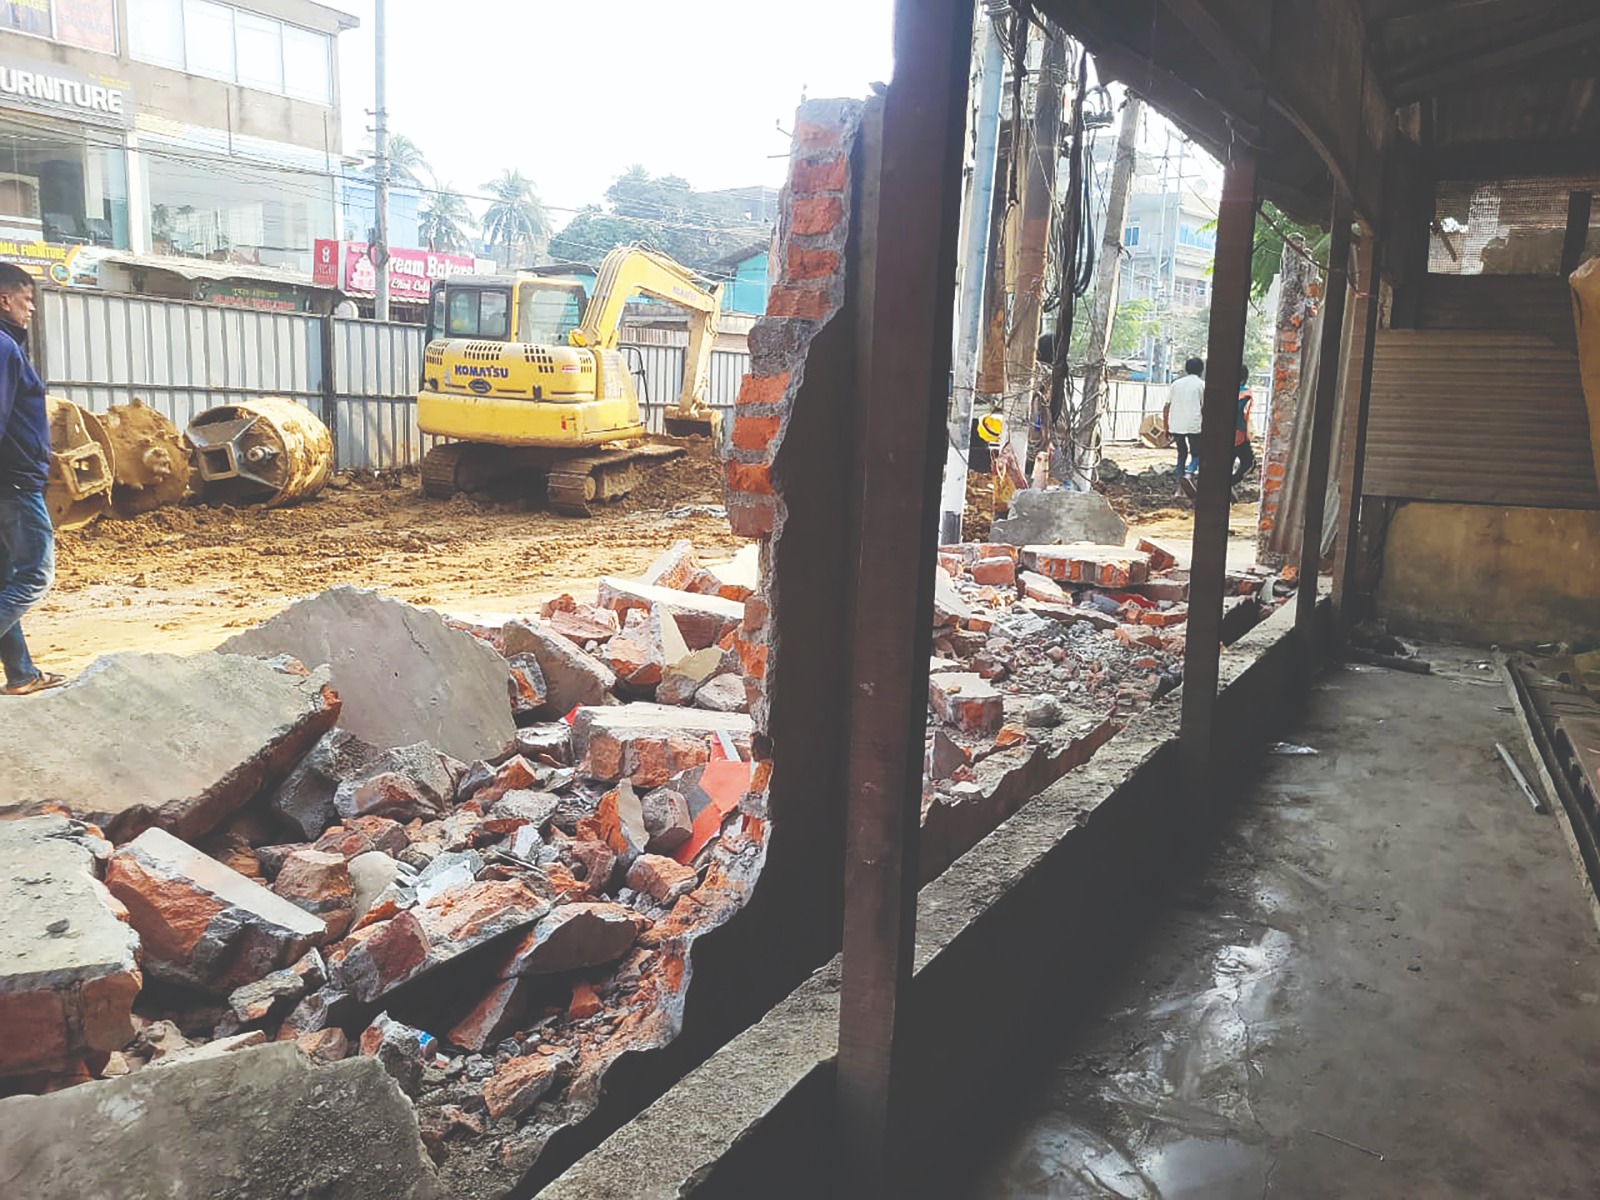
(61,91)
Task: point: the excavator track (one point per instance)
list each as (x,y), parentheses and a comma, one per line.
(439,468)
(576,484)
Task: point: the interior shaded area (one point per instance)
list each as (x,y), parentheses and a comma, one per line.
(1384,982)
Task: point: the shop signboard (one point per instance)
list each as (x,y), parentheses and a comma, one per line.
(27,16)
(62,91)
(91,24)
(412,273)
(53,262)
(263,297)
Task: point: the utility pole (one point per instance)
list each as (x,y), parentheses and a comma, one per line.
(379,250)
(970,305)
(1038,207)
(1105,290)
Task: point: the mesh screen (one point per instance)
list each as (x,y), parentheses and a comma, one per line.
(1509,227)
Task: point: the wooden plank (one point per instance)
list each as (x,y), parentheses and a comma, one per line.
(1489,60)
(910,211)
(1329,362)
(1353,454)
(1230,305)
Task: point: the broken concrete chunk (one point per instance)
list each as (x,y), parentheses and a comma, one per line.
(518,808)
(680,680)
(967,701)
(724,694)
(660,878)
(641,652)
(948,606)
(552,740)
(305,798)
(402,783)
(402,1050)
(261,1116)
(1041,587)
(673,568)
(737,578)
(200,923)
(571,676)
(493,1017)
(1043,712)
(1055,516)
(620,819)
(648,744)
(324,1046)
(318,882)
(253,1002)
(945,756)
(574,937)
(404,675)
(69,967)
(372,876)
(360,835)
(154,739)
(666,820)
(703,620)
(376,960)
(528,689)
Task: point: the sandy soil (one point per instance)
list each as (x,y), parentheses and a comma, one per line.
(182,579)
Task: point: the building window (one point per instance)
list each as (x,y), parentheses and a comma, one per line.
(62,182)
(227,43)
(235,211)
(1130,236)
(1200,238)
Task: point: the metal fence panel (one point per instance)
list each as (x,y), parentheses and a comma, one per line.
(100,349)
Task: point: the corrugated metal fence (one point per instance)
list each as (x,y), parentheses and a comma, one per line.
(99,349)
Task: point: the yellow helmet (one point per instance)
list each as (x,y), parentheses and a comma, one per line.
(992,428)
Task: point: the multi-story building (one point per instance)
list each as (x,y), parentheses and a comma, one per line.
(178,127)
(1170,245)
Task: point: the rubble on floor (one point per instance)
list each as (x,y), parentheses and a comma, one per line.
(492,930)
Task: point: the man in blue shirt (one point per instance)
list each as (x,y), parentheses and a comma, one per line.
(27,539)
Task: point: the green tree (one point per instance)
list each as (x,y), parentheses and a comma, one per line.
(515,223)
(665,212)
(446,220)
(406,162)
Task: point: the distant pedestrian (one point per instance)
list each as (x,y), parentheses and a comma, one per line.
(1181,420)
(1244,455)
(27,540)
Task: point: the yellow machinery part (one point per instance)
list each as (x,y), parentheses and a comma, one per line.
(82,465)
(152,459)
(269,451)
(1586,313)
(508,422)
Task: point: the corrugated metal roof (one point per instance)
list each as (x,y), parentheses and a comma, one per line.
(1478,417)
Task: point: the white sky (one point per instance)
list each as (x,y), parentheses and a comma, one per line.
(573,92)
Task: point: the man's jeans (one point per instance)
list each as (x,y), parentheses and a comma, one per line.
(27,569)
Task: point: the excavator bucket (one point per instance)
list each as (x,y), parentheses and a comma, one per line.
(151,460)
(707,424)
(82,465)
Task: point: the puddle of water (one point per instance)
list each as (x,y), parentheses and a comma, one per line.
(1192,1168)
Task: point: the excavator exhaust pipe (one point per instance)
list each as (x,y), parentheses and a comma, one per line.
(82,465)
(269,451)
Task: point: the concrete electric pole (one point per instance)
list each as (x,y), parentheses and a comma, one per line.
(379,250)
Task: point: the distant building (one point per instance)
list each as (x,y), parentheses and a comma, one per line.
(1170,245)
(169,127)
(743,276)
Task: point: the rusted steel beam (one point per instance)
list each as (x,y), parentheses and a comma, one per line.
(1230,305)
(910,216)
(1329,361)
(1353,454)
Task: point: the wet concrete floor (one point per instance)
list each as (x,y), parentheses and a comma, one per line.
(1385,983)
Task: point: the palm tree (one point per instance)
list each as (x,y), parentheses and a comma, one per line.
(446,220)
(515,224)
(406,161)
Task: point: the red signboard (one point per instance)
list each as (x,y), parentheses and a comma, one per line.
(346,266)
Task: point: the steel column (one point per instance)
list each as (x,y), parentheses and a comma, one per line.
(1230,304)
(910,215)
(1329,361)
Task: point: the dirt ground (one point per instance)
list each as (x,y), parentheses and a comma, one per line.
(182,579)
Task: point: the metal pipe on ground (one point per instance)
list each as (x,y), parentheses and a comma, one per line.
(270,451)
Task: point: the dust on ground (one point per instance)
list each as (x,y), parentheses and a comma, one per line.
(183,579)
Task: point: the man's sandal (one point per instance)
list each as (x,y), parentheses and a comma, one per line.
(41,682)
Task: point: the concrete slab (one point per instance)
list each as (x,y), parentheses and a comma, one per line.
(155,739)
(258,1124)
(404,675)
(702,619)
(68,965)
(572,677)
(1058,517)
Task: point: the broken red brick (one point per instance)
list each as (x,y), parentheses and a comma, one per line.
(803,303)
(751,433)
(516,774)
(1163,617)
(813,216)
(660,878)
(763,389)
(825,175)
(1161,559)
(807,264)
(967,701)
(359,835)
(584,1002)
(324,1046)
(519,1085)
(319,882)
(995,572)
(574,937)
(493,1017)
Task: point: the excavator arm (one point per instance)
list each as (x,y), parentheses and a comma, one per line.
(632,270)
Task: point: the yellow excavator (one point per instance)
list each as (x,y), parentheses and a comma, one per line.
(526,377)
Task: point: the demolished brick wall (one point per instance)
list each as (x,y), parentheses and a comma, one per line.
(1277,539)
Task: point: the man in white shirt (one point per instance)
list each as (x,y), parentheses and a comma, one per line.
(1181,419)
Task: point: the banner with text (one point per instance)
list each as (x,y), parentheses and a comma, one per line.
(412,273)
